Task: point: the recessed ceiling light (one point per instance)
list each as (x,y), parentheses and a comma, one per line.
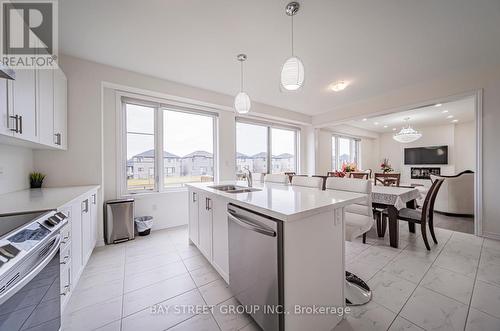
(437,105)
(394,129)
(454,121)
(376,123)
(339,86)
(365,119)
(450,116)
(444,111)
(385,126)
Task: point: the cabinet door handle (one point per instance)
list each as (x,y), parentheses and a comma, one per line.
(20,125)
(194,196)
(86,204)
(16,129)
(58,139)
(208,204)
(65,239)
(65,260)
(65,291)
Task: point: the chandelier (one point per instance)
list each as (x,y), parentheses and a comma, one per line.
(407,134)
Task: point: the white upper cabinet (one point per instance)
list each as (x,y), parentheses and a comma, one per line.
(24,105)
(45,102)
(5,120)
(33,107)
(60,109)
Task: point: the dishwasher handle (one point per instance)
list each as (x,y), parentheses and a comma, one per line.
(250,224)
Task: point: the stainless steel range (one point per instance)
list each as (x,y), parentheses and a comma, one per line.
(29,271)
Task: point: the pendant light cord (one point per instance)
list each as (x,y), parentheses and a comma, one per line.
(241,76)
(292,35)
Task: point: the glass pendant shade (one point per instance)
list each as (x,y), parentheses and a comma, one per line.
(407,135)
(242,103)
(292,74)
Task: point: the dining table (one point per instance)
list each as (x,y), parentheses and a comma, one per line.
(393,199)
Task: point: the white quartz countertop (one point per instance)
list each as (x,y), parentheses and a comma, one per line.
(41,199)
(284,202)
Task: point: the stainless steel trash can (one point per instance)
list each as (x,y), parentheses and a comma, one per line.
(119,221)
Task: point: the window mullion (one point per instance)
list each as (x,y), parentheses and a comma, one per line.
(269,151)
(159,149)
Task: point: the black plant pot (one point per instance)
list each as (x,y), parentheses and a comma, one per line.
(36,184)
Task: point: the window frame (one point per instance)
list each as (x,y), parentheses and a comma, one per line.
(159,105)
(353,149)
(269,126)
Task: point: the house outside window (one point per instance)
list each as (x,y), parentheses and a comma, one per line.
(266,139)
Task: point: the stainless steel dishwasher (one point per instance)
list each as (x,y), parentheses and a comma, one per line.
(256,265)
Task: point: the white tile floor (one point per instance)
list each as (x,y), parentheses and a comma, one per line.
(455,286)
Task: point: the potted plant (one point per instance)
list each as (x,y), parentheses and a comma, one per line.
(386,166)
(36,179)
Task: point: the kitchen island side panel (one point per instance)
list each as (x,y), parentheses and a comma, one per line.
(314,270)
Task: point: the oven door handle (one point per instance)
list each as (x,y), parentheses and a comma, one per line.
(35,271)
(250,225)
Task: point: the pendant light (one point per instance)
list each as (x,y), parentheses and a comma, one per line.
(292,72)
(242,101)
(407,134)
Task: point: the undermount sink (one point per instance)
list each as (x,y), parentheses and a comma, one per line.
(234,188)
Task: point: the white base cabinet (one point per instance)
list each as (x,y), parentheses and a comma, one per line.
(220,244)
(208,229)
(78,241)
(193,217)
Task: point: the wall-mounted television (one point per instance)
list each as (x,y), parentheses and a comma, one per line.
(427,155)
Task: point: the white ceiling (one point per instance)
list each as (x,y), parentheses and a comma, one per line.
(376,45)
(461,111)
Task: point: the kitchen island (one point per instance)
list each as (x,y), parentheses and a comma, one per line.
(277,245)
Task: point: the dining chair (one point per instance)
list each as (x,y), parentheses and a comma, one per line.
(335,174)
(388,179)
(358,217)
(276,178)
(358,220)
(423,217)
(359,175)
(290,175)
(314,182)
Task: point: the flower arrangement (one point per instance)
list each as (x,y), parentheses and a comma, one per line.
(386,166)
(349,167)
(36,179)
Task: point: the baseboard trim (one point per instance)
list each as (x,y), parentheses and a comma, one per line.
(490,235)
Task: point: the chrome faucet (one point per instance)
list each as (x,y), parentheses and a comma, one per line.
(248,176)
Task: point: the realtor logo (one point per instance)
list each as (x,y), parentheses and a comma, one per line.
(29,34)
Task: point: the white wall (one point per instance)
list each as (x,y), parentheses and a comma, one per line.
(370,154)
(465,146)
(15,165)
(90,158)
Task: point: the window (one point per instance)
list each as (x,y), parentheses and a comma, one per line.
(251,147)
(140,147)
(188,140)
(256,141)
(344,150)
(185,137)
(283,150)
